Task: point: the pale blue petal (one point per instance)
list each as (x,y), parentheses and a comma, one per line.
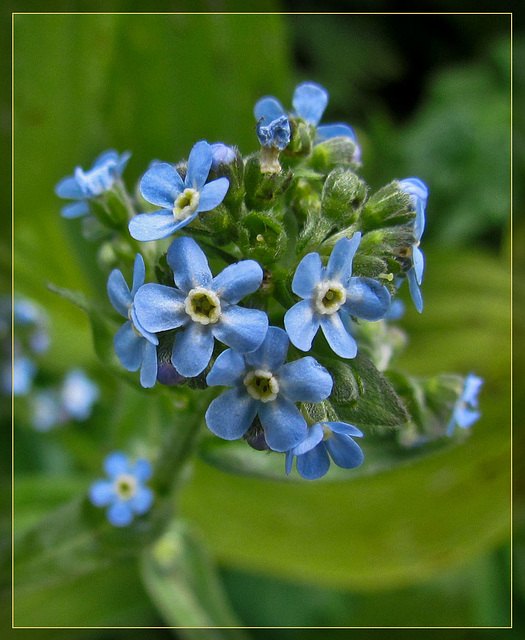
(160,308)
(120,514)
(241,329)
(415,291)
(305,380)
(139,274)
(153,226)
(231,414)
(340,341)
(339,265)
(115,464)
(419,263)
(301,324)
(212,194)
(102,493)
(119,293)
(110,156)
(142,500)
(308,275)
(69,188)
(314,464)
(228,370)
(338,130)
(366,298)
(122,162)
(189,264)
(150,337)
(75,210)
(314,437)
(238,280)
(142,470)
(309,102)
(199,165)
(128,347)
(148,369)
(466,417)
(192,349)
(283,424)
(346,453)
(344,428)
(471,390)
(272,352)
(161,185)
(268,108)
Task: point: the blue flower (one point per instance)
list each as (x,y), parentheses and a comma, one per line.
(134,345)
(79,394)
(18,378)
(181,200)
(124,493)
(325,440)
(47,411)
(330,296)
(82,186)
(464,413)
(418,192)
(264,385)
(202,307)
(221,154)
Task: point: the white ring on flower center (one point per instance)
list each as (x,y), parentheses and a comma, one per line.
(329,297)
(186,204)
(203,305)
(125,486)
(261,385)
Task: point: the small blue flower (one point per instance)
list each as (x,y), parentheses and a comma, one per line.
(202,307)
(264,385)
(18,379)
(124,493)
(47,411)
(82,186)
(325,440)
(418,192)
(330,296)
(134,345)
(181,200)
(79,394)
(221,154)
(464,413)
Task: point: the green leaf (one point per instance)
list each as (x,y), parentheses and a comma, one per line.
(181,579)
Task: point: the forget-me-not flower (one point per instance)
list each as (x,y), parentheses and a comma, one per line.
(221,154)
(326,440)
(124,493)
(465,411)
(330,296)
(264,385)
(181,200)
(135,346)
(418,192)
(79,394)
(202,307)
(83,185)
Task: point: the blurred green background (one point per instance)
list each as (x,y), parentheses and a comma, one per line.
(427,544)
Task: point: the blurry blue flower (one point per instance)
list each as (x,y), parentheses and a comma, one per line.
(221,154)
(202,307)
(418,193)
(82,186)
(181,201)
(19,378)
(79,394)
(124,493)
(264,385)
(47,411)
(396,311)
(464,413)
(330,296)
(134,346)
(325,440)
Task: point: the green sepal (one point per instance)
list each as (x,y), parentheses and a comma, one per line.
(220,225)
(332,153)
(390,206)
(264,190)
(112,208)
(262,238)
(343,196)
(300,144)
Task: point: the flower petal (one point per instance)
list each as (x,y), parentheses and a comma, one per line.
(419,263)
(189,264)
(309,102)
(142,500)
(314,464)
(337,130)
(75,210)
(119,293)
(148,369)
(102,493)
(309,273)
(238,280)
(415,291)
(305,380)
(199,165)
(110,156)
(339,265)
(128,347)
(344,428)
(346,453)
(115,464)
(142,470)
(122,162)
(231,414)
(69,188)
(268,108)
(160,308)
(212,194)
(301,324)
(120,514)
(340,341)
(228,370)
(192,349)
(366,298)
(283,423)
(139,274)
(471,389)
(150,337)
(161,185)
(272,352)
(241,329)
(153,226)
(314,437)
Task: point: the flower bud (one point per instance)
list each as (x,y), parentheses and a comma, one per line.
(390,206)
(343,196)
(264,190)
(335,152)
